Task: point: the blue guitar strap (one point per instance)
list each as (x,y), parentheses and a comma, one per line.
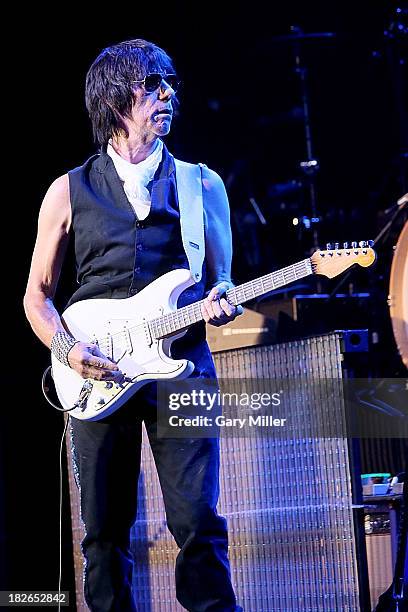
(190,197)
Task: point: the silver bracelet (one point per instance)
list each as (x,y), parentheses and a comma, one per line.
(61,344)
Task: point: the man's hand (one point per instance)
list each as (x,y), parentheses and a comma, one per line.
(218,311)
(86,359)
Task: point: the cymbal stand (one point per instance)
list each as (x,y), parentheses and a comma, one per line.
(310,166)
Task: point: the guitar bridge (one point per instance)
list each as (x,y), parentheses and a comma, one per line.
(84,394)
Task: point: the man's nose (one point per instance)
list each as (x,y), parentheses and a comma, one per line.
(166,91)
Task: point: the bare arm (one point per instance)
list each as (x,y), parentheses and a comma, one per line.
(50,247)
(54,223)
(218,248)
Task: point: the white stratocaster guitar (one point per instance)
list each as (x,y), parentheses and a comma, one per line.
(137,332)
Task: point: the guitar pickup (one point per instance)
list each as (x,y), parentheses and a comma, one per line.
(128,340)
(109,349)
(148,335)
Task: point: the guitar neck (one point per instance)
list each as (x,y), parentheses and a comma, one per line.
(269,282)
(183,318)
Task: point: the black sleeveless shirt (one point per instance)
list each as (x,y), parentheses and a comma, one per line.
(116,254)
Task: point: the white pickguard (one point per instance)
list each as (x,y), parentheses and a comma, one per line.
(121,330)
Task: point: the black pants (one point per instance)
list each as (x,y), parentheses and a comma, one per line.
(107,463)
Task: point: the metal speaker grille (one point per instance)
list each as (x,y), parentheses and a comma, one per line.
(288,502)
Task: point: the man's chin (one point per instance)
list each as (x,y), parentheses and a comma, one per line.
(162,125)
(162,130)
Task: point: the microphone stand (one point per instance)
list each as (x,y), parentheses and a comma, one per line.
(398,207)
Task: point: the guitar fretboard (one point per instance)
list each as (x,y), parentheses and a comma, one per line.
(182,318)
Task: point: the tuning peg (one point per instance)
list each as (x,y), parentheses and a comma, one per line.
(345,245)
(354,245)
(336,245)
(362,244)
(371,243)
(329,246)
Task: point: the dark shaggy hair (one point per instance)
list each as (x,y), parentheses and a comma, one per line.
(109,93)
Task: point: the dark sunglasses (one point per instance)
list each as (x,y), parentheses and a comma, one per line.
(153,81)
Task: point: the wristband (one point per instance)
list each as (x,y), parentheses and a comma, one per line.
(61,344)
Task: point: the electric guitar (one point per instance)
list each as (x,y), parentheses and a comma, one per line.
(137,332)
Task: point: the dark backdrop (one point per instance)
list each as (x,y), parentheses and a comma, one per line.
(241,114)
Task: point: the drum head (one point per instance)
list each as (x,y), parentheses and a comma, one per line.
(398,296)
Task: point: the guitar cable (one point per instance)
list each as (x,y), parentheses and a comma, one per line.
(45,389)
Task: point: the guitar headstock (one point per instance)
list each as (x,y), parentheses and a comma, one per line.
(334,261)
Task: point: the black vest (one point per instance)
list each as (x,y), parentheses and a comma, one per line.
(116,254)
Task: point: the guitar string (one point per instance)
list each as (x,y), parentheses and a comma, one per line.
(267,279)
(283,276)
(240,292)
(189,310)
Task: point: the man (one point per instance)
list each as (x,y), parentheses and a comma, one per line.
(121,206)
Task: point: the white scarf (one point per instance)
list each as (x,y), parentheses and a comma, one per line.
(136,177)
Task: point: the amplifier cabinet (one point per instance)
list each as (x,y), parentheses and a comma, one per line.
(293,530)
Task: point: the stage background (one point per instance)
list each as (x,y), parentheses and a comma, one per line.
(239,114)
